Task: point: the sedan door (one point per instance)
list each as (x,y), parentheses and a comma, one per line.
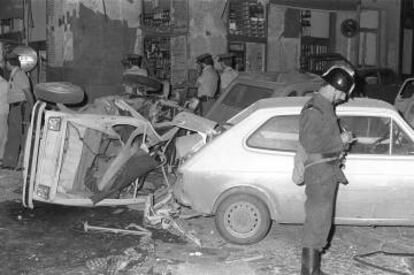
(379,171)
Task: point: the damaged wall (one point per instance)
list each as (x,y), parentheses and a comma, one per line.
(283,52)
(87,39)
(207,29)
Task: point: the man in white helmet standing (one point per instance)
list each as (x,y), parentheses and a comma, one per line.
(322,139)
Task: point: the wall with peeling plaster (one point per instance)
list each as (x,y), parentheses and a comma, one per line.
(283,53)
(207,29)
(87,39)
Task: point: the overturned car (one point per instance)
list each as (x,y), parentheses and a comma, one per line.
(99,154)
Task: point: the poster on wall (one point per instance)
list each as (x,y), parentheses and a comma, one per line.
(255,57)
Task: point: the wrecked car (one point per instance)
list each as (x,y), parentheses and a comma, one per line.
(99,154)
(243,176)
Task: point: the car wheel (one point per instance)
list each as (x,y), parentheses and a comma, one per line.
(59,92)
(242,219)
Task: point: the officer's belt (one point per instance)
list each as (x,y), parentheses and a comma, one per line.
(205,98)
(315,158)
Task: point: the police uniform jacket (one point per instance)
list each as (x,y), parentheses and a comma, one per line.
(207,82)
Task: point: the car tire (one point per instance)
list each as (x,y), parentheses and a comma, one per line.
(242,219)
(59,92)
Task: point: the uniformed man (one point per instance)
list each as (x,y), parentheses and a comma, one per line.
(20,99)
(207,82)
(228,74)
(133,66)
(322,138)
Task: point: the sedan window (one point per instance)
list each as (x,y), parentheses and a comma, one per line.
(401,142)
(278,133)
(372,133)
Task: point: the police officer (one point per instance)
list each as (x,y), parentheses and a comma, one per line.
(227,74)
(207,82)
(20,99)
(322,138)
(132,66)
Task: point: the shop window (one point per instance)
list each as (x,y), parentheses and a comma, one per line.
(247,34)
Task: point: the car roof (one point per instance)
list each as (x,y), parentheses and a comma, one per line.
(273,82)
(299,102)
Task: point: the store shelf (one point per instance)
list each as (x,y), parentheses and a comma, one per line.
(243,38)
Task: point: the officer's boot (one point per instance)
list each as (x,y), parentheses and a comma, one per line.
(311,262)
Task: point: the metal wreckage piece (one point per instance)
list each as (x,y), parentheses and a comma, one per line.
(167,215)
(140,231)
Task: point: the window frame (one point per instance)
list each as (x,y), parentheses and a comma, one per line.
(258,128)
(401,124)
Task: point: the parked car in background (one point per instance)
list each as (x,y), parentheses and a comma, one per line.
(373,82)
(320,63)
(378,83)
(243,176)
(247,89)
(404,101)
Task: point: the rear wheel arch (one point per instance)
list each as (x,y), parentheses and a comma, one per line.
(260,194)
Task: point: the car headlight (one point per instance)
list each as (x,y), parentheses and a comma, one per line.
(54,123)
(43,191)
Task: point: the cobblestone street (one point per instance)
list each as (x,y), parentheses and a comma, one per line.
(42,241)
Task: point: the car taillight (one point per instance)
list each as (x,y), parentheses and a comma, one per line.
(54,123)
(43,191)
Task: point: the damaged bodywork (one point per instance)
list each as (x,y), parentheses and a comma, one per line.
(96,155)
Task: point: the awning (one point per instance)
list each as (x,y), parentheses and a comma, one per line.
(11,9)
(330,5)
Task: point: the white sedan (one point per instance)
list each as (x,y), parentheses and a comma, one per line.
(243,176)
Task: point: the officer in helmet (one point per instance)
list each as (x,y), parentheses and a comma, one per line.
(324,142)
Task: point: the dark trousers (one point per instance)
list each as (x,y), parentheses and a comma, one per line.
(16,134)
(205,104)
(321,189)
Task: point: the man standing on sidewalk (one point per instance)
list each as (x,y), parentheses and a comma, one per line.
(321,137)
(20,101)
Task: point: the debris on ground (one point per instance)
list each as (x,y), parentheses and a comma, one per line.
(139,230)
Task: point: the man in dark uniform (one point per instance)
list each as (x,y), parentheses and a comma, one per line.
(322,138)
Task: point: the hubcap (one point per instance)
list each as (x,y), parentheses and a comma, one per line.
(242,219)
